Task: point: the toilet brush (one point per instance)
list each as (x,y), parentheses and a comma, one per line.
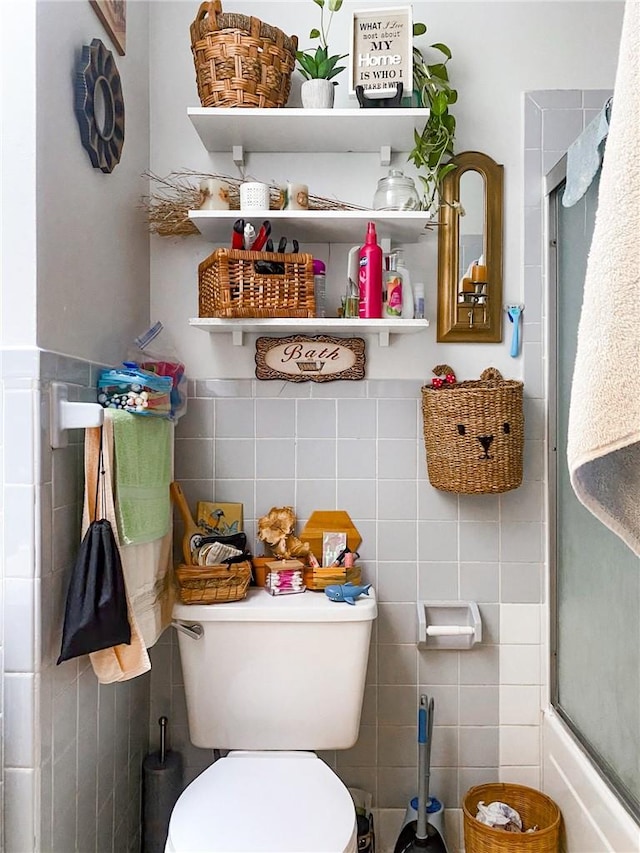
(421,834)
(161,787)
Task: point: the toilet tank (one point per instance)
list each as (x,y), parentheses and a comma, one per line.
(276,672)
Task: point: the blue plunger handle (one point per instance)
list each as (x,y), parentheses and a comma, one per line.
(421,828)
(422,725)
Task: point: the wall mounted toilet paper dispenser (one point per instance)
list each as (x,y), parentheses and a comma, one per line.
(448,624)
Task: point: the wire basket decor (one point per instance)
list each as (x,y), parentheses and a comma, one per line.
(239,60)
(473,432)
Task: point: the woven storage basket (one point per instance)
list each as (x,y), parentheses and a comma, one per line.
(213,584)
(240,61)
(535,809)
(474,433)
(229,285)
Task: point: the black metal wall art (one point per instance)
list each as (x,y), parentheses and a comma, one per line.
(99,106)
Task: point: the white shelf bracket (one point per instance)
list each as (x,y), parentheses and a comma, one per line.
(383,338)
(65,415)
(237,337)
(237,155)
(385,155)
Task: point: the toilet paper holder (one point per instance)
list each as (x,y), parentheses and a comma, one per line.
(448,624)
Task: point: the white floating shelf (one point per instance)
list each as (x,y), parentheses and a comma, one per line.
(302,130)
(383,329)
(317,226)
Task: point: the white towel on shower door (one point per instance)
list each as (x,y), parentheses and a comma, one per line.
(604,418)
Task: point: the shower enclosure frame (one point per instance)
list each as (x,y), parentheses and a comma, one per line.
(558,728)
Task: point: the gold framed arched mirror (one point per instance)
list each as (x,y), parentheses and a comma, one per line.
(470,251)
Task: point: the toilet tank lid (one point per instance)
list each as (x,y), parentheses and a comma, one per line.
(260,606)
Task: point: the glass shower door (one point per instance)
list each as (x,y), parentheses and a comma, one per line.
(596,647)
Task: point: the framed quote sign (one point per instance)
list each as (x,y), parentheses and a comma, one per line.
(381,51)
(320,358)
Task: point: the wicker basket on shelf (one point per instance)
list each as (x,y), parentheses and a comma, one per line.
(473,433)
(535,809)
(240,61)
(231,285)
(213,584)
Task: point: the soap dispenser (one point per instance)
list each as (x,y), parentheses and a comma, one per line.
(407,290)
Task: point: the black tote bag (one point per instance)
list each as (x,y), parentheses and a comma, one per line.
(96,610)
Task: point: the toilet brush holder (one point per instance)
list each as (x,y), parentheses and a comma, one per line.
(435,814)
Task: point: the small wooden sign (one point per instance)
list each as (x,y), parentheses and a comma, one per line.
(320,358)
(381,51)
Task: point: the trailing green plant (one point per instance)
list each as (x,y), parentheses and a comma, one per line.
(433,146)
(317,64)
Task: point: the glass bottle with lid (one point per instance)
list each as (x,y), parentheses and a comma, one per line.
(396,192)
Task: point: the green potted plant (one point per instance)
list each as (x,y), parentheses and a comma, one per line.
(433,146)
(316,66)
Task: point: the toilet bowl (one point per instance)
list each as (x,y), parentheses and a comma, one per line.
(274,679)
(264,802)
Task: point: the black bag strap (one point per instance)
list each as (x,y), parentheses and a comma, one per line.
(100,480)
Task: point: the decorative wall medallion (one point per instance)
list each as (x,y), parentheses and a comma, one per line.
(310,359)
(99,106)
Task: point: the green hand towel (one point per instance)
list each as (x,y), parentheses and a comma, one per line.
(143,450)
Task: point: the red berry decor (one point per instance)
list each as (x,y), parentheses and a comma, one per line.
(444,376)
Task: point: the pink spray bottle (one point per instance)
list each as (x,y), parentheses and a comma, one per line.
(370,276)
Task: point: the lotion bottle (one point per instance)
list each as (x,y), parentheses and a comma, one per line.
(370,276)
(407,290)
(392,292)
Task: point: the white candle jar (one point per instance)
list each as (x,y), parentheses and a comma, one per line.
(254,196)
(216,194)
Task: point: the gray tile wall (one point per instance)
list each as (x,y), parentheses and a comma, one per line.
(73,748)
(358,447)
(93,736)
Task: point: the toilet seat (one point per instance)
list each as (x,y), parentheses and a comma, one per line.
(264,802)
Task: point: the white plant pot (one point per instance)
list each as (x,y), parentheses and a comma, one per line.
(317,94)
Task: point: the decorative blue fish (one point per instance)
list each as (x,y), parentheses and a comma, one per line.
(346,592)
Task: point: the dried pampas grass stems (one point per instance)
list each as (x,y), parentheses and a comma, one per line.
(171,198)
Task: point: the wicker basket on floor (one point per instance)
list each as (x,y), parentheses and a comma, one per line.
(240,61)
(474,433)
(535,809)
(213,584)
(230,286)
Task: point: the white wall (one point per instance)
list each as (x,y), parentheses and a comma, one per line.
(500,50)
(93,260)
(75,265)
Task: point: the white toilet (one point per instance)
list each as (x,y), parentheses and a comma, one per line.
(271,678)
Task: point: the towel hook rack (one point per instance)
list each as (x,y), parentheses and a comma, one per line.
(65,415)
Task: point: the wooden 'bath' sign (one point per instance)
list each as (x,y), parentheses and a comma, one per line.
(310,359)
